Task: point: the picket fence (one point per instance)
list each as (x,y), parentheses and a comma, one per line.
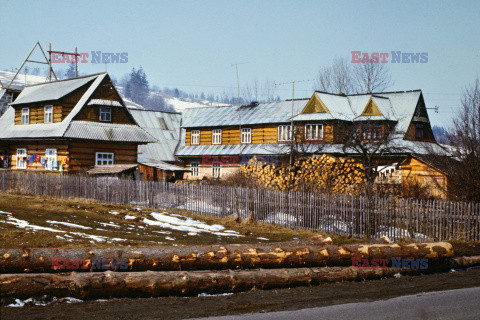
(357,216)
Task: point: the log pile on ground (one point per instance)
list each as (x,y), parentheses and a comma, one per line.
(325,174)
(216,257)
(189,270)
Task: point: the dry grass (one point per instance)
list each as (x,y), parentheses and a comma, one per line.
(37,210)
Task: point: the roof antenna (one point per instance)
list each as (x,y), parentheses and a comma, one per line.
(292,135)
(238,101)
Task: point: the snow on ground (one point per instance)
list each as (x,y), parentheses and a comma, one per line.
(281,218)
(128,217)
(68,224)
(174,222)
(43,301)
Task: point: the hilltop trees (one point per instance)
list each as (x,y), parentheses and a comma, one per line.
(136,87)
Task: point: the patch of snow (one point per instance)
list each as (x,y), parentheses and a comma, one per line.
(164,220)
(261,238)
(169,238)
(108,224)
(215,295)
(114,212)
(68,224)
(128,217)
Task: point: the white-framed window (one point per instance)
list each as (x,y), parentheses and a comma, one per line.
(25,115)
(21,158)
(105,114)
(246,135)
(194,167)
(285,133)
(50,159)
(48,114)
(195,136)
(314,132)
(217,136)
(216,170)
(103,158)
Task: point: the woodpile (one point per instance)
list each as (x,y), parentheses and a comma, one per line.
(321,174)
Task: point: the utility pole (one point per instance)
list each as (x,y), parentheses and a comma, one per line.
(292,130)
(239,107)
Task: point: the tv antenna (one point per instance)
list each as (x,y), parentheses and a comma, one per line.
(48,61)
(434,108)
(238,101)
(292,135)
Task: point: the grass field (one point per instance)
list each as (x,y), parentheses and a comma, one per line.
(30,221)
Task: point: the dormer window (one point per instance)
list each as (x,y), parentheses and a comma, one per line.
(48,114)
(25,115)
(105,114)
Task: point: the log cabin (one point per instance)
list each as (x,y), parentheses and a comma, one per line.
(71,126)
(215,141)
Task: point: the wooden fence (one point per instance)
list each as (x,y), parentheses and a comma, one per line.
(357,216)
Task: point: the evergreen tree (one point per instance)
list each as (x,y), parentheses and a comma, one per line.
(70,73)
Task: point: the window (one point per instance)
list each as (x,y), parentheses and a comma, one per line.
(50,159)
(285,133)
(21,158)
(195,136)
(105,114)
(419,130)
(194,166)
(377,133)
(25,116)
(216,170)
(313,132)
(217,136)
(246,135)
(48,114)
(103,158)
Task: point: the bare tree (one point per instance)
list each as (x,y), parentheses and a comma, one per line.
(371,77)
(344,77)
(260,92)
(337,78)
(465,146)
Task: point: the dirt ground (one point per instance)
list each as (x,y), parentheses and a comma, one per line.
(247,302)
(37,210)
(127,224)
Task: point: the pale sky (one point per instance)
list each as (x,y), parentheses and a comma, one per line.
(193,44)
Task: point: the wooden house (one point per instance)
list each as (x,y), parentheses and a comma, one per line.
(217,140)
(71,126)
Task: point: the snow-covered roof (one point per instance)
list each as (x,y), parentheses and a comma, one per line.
(69,128)
(51,91)
(268,112)
(165,128)
(104,102)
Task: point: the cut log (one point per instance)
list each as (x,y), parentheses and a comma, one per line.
(165,283)
(208,257)
(465,262)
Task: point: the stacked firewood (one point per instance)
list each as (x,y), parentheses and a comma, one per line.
(320,174)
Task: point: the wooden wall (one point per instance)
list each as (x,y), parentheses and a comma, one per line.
(151,173)
(92,113)
(261,134)
(38,147)
(426,176)
(82,153)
